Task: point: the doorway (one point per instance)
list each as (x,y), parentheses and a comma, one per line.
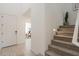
(27,16)
(28,30)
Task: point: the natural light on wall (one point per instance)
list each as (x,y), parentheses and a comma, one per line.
(27,27)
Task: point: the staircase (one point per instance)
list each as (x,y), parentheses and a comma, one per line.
(62,43)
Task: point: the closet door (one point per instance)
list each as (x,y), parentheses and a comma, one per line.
(9,30)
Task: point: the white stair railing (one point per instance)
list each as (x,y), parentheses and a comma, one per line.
(75,35)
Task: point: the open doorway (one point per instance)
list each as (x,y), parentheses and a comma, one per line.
(28,37)
(28,24)
(28,30)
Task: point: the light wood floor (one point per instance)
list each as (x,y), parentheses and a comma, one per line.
(18,50)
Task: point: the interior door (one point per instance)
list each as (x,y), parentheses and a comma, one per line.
(8,30)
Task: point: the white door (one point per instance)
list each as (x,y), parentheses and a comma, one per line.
(8,30)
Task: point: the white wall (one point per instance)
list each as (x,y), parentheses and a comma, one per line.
(72,14)
(38,28)
(54,18)
(14,8)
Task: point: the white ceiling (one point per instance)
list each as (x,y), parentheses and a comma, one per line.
(14,8)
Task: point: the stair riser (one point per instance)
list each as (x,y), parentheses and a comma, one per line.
(65,34)
(63,53)
(66,26)
(68,34)
(66,29)
(63,39)
(70,47)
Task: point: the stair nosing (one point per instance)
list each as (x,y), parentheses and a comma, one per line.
(65,36)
